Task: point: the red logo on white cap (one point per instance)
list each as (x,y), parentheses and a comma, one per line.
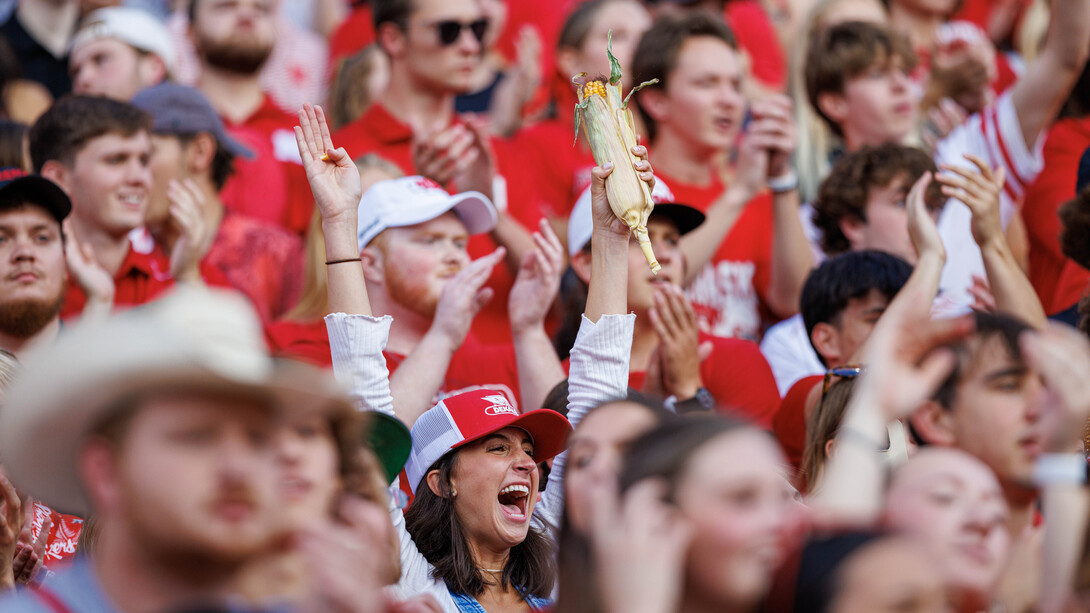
(427,183)
(500,406)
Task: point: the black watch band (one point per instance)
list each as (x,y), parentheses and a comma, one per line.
(703,401)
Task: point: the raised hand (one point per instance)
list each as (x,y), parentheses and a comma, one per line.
(979,190)
(921,225)
(538,280)
(334,179)
(11,524)
(96,283)
(639,544)
(347,559)
(680,349)
(773,129)
(186,212)
(463,296)
(602,215)
(1062,357)
(30,553)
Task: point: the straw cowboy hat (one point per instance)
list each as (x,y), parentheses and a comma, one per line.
(194,339)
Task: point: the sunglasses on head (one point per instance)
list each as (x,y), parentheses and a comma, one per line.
(450,31)
(848,371)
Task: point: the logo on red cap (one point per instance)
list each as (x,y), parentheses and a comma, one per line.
(500,405)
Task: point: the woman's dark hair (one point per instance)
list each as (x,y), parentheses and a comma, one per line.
(434,526)
(12,136)
(573,301)
(577,592)
(1078,101)
(811,579)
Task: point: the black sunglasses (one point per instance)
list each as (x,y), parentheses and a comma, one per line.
(450,31)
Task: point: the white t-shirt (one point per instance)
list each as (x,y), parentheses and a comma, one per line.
(790,354)
(995,135)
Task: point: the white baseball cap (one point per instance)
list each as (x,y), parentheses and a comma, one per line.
(407,201)
(581,223)
(133,26)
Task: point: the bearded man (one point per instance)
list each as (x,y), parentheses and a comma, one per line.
(233,40)
(32,271)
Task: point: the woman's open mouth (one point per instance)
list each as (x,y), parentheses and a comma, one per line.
(513,500)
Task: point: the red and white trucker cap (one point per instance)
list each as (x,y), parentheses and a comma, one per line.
(463,418)
(407,201)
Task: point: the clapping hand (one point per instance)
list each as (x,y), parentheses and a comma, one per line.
(538,280)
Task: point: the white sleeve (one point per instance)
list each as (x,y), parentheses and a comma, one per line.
(789,353)
(598,373)
(356,343)
(995,135)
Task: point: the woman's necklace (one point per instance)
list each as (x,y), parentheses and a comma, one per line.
(491,570)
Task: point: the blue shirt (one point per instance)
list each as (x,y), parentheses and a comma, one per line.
(75,589)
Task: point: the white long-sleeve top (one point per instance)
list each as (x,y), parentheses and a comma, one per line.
(599,373)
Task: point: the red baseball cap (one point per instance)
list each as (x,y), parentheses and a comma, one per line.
(463,418)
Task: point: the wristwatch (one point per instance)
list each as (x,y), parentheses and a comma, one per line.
(784,183)
(701,402)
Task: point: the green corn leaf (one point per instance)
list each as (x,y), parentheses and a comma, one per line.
(624,105)
(614,65)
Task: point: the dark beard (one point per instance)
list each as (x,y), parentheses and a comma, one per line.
(238,56)
(26,318)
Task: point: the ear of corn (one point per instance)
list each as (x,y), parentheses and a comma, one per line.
(608,126)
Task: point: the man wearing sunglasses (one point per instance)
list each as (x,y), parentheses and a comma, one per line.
(434,47)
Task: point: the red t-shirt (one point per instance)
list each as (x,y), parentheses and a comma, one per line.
(727,294)
(273,185)
(60,545)
(261,260)
(739,378)
(758,38)
(1057,287)
(355,32)
(141,278)
(789,424)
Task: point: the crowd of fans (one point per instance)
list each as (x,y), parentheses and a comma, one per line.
(323,305)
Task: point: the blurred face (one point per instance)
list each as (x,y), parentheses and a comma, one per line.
(878,106)
(32,270)
(419,260)
(886,228)
(235,35)
(196,477)
(892,575)
(596,449)
(855,324)
(954,503)
(932,13)
(736,495)
(167,162)
(496,481)
(996,412)
(431,63)
(109,183)
(869,11)
(702,103)
(628,20)
(641,283)
(306,453)
(108,67)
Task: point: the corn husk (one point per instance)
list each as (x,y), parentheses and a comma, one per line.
(607,124)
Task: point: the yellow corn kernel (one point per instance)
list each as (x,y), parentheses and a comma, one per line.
(594,88)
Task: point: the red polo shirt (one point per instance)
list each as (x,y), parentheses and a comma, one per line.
(141,278)
(273,185)
(789,423)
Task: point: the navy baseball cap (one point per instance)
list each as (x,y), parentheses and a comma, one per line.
(18,188)
(177,109)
